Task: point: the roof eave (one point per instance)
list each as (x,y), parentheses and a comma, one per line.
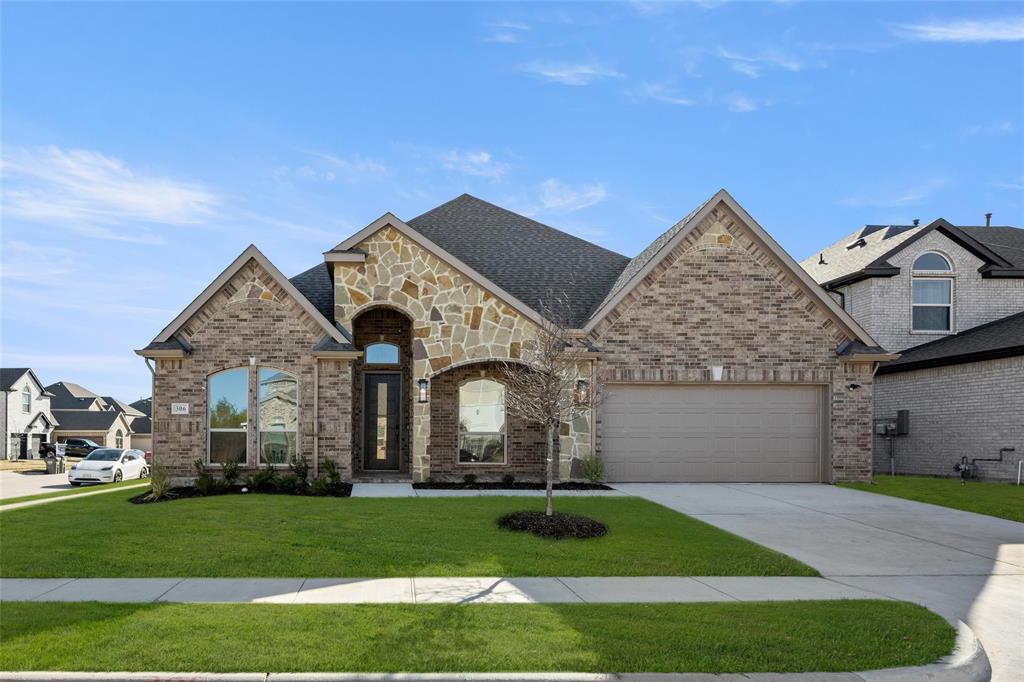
(961,359)
(860,275)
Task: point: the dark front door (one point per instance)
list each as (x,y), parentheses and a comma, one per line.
(381,419)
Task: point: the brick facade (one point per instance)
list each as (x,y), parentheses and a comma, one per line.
(720,298)
(970,410)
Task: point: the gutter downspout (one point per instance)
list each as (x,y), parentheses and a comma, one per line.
(316,417)
(152,409)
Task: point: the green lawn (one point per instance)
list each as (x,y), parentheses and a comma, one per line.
(282,536)
(73,491)
(982,497)
(714,638)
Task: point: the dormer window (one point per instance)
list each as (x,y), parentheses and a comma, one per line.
(932,294)
(382,354)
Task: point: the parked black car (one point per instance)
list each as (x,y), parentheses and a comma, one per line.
(75,447)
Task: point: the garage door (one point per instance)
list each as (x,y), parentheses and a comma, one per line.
(712,433)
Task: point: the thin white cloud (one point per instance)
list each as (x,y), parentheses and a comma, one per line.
(506,38)
(510,24)
(97,195)
(1015,185)
(477,163)
(888,198)
(558,197)
(740,103)
(506,31)
(752,65)
(997,128)
(1006,29)
(568,73)
(662,93)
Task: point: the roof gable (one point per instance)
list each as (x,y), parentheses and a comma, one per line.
(11,375)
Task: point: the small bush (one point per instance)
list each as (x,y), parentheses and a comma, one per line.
(264,480)
(469,479)
(331,473)
(159,484)
(508,479)
(556,527)
(230,471)
(322,486)
(289,484)
(593,468)
(206,484)
(300,469)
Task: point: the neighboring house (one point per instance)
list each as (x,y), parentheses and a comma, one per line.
(720,359)
(142,427)
(84,414)
(949,299)
(27,417)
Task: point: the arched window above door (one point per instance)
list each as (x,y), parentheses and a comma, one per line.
(382,354)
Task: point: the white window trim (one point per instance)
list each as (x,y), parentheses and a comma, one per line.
(26,405)
(210,430)
(458,435)
(256,420)
(921,275)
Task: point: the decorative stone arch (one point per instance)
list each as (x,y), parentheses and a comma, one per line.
(389,305)
(467,363)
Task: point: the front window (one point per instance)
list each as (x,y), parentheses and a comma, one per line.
(26,399)
(228,407)
(382,354)
(931,294)
(278,416)
(482,422)
(119,439)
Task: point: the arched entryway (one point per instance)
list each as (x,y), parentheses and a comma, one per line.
(382,393)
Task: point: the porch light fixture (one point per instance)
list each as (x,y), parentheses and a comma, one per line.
(582,391)
(716,372)
(422,383)
(852,387)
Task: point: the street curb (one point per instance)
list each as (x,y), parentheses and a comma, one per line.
(967,663)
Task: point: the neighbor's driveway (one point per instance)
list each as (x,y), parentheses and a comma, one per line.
(959,564)
(18,484)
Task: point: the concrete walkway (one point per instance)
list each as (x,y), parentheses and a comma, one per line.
(426,590)
(406,490)
(961,565)
(21,483)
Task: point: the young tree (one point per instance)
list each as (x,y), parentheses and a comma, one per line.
(542,389)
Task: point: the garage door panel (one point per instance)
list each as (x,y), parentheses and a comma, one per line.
(712,433)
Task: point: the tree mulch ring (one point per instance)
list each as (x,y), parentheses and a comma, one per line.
(556,527)
(499,485)
(185,492)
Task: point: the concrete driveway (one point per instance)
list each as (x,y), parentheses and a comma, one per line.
(18,483)
(958,564)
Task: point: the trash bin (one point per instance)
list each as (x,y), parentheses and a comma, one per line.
(61,461)
(51,465)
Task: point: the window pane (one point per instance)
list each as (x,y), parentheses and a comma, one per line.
(932,291)
(482,421)
(228,399)
(225,445)
(931,261)
(382,354)
(931,318)
(278,415)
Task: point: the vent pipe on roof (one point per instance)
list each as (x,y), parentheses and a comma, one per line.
(821,259)
(988,220)
(917,221)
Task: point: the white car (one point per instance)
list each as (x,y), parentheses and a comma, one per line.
(109,465)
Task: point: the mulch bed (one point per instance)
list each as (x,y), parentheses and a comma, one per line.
(344,490)
(556,527)
(498,485)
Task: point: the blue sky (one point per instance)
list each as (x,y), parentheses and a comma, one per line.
(145,145)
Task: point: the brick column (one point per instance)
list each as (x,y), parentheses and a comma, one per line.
(420,427)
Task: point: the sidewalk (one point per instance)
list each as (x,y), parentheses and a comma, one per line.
(406,490)
(426,590)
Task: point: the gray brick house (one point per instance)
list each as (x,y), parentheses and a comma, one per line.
(951,301)
(720,359)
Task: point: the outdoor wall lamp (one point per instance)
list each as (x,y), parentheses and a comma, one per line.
(582,391)
(852,387)
(716,372)
(422,383)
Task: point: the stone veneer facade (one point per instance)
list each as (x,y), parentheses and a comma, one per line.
(720,297)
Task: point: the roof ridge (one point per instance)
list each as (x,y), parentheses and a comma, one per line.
(520,215)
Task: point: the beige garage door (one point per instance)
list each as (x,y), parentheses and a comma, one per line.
(712,433)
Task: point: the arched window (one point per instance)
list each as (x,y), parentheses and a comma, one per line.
(931,294)
(482,422)
(26,400)
(278,417)
(382,354)
(227,401)
(119,439)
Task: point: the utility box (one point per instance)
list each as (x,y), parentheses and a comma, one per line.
(902,422)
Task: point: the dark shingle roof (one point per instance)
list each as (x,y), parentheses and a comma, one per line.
(533,262)
(144,405)
(999,339)
(69,396)
(142,425)
(9,375)
(316,285)
(119,406)
(85,420)
(1008,242)
(329,344)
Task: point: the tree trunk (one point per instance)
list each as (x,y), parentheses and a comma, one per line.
(549,510)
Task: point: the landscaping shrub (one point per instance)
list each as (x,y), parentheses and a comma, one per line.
(159,485)
(556,527)
(593,468)
(289,484)
(331,473)
(230,470)
(469,479)
(300,469)
(508,479)
(206,484)
(264,480)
